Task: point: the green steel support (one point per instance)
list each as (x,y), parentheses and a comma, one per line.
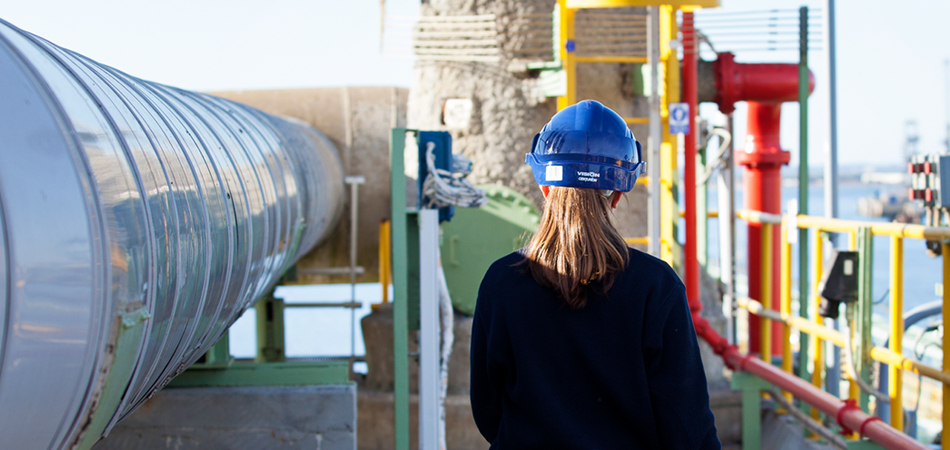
(295,373)
(863,445)
(803,266)
(218,356)
(862,333)
(751,387)
(400,265)
(270,329)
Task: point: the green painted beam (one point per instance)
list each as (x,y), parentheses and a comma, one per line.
(400,264)
(751,387)
(290,373)
(862,334)
(803,262)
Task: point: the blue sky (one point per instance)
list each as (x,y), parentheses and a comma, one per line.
(890,57)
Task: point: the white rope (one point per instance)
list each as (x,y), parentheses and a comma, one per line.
(443,188)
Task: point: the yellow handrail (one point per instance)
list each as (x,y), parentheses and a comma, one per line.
(835,337)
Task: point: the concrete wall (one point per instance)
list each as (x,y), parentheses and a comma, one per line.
(358,121)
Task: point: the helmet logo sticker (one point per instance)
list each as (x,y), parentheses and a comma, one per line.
(554,173)
(588,176)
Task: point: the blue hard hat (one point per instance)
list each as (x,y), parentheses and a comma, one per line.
(586,145)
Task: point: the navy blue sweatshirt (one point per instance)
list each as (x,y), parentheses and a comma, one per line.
(623,372)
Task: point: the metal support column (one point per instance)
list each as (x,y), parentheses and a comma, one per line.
(803,286)
(896,375)
(270,329)
(354,181)
(400,259)
(691,263)
(751,387)
(862,353)
(429,333)
(566,48)
(831,172)
(656,131)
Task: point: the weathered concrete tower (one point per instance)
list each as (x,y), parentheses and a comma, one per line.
(508,102)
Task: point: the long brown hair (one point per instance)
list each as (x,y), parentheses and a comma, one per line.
(576,248)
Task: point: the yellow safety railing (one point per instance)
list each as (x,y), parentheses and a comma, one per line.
(892,355)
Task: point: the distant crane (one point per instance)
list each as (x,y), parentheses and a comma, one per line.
(911,138)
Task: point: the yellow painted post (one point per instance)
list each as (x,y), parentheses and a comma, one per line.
(818,345)
(566,49)
(896,376)
(385,273)
(945,437)
(854,392)
(669,210)
(766,324)
(785,303)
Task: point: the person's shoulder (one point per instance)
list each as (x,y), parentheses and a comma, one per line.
(649,267)
(508,265)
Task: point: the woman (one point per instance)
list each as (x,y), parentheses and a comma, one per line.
(578,341)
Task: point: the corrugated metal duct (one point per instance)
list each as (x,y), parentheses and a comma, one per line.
(138,221)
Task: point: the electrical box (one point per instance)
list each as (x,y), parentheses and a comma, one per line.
(839,283)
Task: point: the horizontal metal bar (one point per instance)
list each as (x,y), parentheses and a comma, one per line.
(838,339)
(611,59)
(637,240)
(633,120)
(581,40)
(587,15)
(354,305)
(329,270)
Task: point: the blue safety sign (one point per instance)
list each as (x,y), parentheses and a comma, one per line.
(679,118)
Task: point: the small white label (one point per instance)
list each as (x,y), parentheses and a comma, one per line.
(554,173)
(848,267)
(457,113)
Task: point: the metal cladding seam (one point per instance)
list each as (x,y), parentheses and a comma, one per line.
(137,222)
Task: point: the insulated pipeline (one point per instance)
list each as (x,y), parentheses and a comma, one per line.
(137,222)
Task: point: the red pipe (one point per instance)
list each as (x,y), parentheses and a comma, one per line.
(763,159)
(691,259)
(764,87)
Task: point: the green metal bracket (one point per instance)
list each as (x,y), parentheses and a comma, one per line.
(751,387)
(270,329)
(863,445)
(267,374)
(865,243)
(217,357)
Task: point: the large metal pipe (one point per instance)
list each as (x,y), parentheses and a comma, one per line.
(138,221)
